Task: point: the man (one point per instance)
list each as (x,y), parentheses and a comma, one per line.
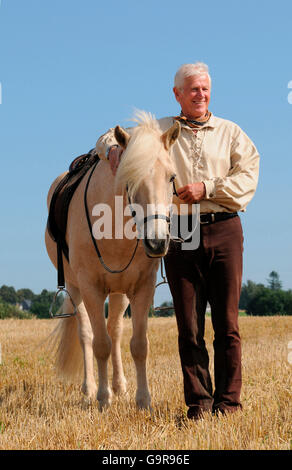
(217,166)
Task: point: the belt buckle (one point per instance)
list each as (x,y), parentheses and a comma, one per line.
(209,221)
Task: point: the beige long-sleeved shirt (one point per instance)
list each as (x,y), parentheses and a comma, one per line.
(219,154)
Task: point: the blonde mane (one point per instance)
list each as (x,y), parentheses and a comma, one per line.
(144,149)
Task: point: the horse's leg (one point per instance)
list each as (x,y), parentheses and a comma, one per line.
(140,305)
(94,303)
(117,306)
(89,387)
(73,332)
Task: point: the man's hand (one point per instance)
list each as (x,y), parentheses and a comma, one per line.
(192,193)
(114,157)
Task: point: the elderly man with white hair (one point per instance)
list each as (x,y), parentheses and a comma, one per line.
(217,167)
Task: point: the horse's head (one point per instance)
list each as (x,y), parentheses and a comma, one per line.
(147,171)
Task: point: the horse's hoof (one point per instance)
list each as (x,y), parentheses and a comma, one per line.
(89,392)
(120,388)
(144,403)
(104,401)
(88,402)
(103,405)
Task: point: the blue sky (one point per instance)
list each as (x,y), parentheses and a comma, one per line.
(69,70)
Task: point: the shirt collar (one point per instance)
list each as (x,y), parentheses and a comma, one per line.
(211,123)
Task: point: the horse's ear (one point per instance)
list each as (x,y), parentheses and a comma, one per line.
(170,136)
(122,137)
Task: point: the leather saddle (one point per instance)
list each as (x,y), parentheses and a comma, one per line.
(59,206)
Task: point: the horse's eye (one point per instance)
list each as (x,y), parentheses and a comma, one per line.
(172,178)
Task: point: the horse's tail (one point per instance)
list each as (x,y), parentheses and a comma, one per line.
(68,357)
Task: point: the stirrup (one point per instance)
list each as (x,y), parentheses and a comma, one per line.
(62,315)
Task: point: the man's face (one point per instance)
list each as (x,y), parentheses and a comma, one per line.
(194,98)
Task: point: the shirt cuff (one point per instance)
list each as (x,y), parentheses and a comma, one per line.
(210,189)
(102,150)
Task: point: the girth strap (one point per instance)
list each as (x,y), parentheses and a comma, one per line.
(60,266)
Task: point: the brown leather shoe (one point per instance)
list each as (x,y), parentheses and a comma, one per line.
(196,412)
(224,409)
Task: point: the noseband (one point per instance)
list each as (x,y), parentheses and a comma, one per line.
(153,216)
(148,217)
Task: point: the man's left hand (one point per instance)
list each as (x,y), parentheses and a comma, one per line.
(192,193)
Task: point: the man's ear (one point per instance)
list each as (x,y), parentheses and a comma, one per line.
(176,92)
(122,137)
(170,136)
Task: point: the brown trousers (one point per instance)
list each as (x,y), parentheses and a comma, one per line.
(211,273)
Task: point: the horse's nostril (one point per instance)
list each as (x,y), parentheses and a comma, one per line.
(156,246)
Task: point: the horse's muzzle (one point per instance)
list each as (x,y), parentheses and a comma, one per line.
(156,247)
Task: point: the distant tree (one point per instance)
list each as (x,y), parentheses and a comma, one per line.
(25,294)
(288,301)
(41,304)
(274,282)
(12,311)
(248,292)
(8,294)
(151,312)
(271,302)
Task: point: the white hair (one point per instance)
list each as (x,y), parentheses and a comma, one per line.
(188,70)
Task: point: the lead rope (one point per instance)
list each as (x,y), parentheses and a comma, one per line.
(164,281)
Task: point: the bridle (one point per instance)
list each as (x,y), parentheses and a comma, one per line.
(133,212)
(152,216)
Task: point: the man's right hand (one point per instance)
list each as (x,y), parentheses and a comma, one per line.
(114,157)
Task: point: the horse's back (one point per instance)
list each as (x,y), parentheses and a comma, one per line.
(53,187)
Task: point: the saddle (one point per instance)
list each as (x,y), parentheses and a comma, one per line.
(59,205)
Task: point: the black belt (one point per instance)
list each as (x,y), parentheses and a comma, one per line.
(216,217)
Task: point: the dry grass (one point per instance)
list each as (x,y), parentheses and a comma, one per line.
(38,411)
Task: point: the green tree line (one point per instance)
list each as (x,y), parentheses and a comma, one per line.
(270,299)
(24,303)
(255,299)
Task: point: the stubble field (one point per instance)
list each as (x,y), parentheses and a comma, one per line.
(39,411)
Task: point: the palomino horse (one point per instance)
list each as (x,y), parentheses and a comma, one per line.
(144,177)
